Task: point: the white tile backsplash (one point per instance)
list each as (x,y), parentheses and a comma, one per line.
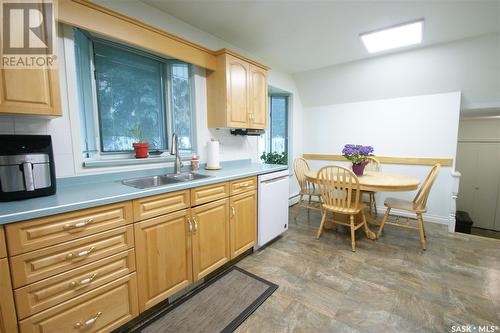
(64,164)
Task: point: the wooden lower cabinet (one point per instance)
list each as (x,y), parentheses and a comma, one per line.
(243,222)
(210,237)
(100,310)
(8,321)
(164,259)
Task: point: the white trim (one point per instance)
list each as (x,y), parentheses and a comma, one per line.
(480,140)
(427,217)
(294,199)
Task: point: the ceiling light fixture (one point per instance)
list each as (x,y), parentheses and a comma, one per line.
(393,37)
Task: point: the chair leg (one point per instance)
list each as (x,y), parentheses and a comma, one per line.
(373,203)
(297,212)
(421,231)
(423,228)
(384,220)
(353,234)
(320,230)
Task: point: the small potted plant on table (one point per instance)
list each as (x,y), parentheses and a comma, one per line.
(357,154)
(140,145)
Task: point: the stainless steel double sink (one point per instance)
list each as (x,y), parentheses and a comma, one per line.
(154,181)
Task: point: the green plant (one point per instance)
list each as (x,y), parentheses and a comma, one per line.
(137,134)
(274,158)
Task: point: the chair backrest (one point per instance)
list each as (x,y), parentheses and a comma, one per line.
(300,167)
(373,164)
(339,187)
(420,200)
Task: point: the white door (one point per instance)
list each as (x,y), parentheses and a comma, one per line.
(479,164)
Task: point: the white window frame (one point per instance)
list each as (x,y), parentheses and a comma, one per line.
(119,160)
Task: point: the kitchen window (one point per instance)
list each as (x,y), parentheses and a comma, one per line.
(126,93)
(278,124)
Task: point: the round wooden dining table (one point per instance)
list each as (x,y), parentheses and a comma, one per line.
(375,181)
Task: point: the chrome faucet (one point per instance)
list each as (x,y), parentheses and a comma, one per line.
(174,150)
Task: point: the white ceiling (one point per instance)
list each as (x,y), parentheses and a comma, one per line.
(302,35)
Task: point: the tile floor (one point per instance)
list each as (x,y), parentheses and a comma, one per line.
(389,285)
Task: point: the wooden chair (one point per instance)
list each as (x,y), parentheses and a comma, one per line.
(339,188)
(417,206)
(373,165)
(300,167)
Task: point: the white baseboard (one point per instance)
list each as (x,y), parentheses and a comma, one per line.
(445,220)
(293,200)
(427,217)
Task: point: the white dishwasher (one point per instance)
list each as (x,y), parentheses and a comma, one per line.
(273,206)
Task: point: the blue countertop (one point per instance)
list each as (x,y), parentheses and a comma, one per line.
(80,192)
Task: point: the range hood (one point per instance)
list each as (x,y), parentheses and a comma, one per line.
(247,131)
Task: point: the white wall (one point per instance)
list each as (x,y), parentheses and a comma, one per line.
(417,126)
(471,66)
(66,147)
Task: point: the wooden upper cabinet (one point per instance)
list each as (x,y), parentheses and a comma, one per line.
(237,93)
(210,237)
(258,97)
(164,261)
(243,222)
(8,320)
(30,92)
(237,76)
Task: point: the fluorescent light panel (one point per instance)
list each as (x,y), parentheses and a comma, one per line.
(393,37)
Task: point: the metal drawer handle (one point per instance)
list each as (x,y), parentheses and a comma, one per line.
(77,225)
(83,282)
(89,322)
(190,225)
(80,254)
(244,185)
(233,211)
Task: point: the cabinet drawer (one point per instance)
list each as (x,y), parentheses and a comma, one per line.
(3,248)
(100,310)
(65,286)
(157,205)
(204,194)
(243,185)
(39,233)
(37,265)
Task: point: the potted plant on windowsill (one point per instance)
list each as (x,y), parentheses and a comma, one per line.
(140,146)
(357,154)
(274,158)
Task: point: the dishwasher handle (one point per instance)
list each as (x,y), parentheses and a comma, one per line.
(274,180)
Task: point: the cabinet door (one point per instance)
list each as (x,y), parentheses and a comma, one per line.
(30,91)
(8,321)
(243,223)
(163,250)
(258,97)
(210,237)
(237,77)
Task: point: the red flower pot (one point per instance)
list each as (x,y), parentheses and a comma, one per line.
(141,150)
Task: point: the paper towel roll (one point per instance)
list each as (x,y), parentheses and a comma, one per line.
(213,161)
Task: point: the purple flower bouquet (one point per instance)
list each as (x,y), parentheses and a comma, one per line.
(357,155)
